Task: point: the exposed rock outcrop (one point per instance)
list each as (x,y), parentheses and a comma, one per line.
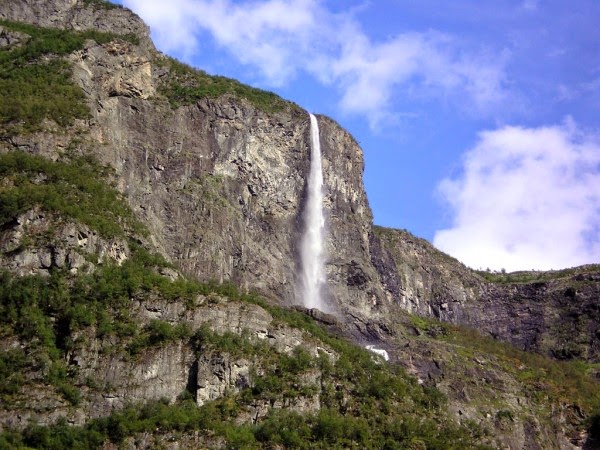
(220,184)
(111,378)
(553,314)
(35,243)
(77,15)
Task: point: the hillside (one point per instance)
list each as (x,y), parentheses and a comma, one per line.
(149,222)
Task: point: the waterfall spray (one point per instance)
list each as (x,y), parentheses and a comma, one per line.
(311,248)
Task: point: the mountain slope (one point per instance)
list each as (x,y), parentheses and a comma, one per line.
(125,172)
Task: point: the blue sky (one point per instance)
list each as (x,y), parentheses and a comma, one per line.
(479,120)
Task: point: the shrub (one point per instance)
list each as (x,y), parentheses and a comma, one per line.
(159,332)
(185,86)
(61,435)
(12,364)
(39,82)
(41,91)
(76,189)
(286,428)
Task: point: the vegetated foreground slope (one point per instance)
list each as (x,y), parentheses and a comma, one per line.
(119,342)
(104,341)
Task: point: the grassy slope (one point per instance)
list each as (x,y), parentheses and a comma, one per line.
(39,80)
(185,85)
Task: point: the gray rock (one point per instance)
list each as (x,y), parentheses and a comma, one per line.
(221,186)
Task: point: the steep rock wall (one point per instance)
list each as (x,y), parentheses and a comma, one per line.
(556,315)
(221,184)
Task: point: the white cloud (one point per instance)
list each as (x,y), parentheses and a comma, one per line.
(589,89)
(529,198)
(176,31)
(420,65)
(267,34)
(530,5)
(279,38)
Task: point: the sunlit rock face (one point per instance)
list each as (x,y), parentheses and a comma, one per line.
(222,186)
(77,15)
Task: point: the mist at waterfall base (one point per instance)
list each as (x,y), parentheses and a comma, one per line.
(313,236)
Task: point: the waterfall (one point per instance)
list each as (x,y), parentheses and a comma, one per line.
(378,351)
(311,247)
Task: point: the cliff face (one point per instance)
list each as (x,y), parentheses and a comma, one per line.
(216,172)
(555,314)
(77,15)
(220,182)
(221,185)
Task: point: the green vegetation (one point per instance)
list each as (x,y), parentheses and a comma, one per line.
(101,4)
(76,189)
(46,312)
(279,374)
(326,430)
(40,91)
(12,364)
(545,380)
(185,86)
(59,376)
(158,332)
(367,404)
(533,276)
(37,82)
(52,41)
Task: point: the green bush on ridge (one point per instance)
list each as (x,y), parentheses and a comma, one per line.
(54,41)
(186,85)
(535,276)
(74,189)
(102,4)
(36,84)
(41,91)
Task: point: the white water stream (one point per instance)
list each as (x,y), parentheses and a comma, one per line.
(313,236)
(312,245)
(378,351)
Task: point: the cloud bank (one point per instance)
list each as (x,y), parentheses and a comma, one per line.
(278,39)
(528,198)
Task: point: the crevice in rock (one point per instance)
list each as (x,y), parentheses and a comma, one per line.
(192,381)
